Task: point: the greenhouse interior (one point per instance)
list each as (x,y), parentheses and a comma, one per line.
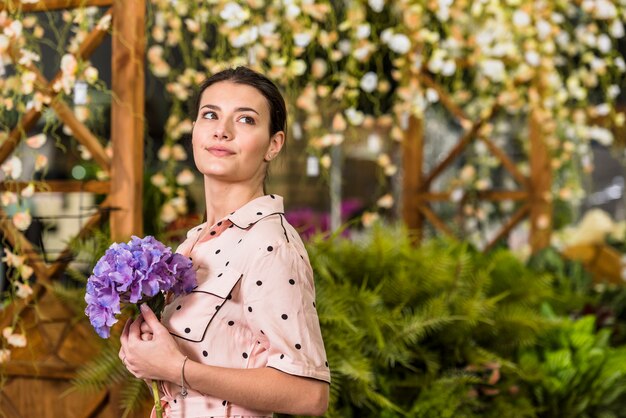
(451,174)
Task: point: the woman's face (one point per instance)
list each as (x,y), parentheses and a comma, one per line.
(231,134)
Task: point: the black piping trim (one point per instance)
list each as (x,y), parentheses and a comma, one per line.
(283,225)
(212,317)
(249,225)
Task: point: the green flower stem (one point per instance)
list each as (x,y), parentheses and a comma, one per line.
(157,400)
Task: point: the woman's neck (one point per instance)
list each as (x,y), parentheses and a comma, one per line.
(224,198)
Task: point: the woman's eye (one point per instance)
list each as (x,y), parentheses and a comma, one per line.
(247,119)
(209,115)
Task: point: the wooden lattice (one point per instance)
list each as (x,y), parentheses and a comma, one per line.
(533,190)
(37,375)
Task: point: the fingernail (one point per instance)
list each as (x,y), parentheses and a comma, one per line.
(143,307)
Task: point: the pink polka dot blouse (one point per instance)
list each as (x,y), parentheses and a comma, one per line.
(254,305)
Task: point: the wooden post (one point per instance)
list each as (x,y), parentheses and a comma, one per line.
(127,120)
(412,176)
(540,176)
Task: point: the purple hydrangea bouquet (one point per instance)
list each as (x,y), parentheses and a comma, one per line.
(140,271)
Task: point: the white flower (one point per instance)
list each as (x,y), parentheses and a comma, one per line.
(234,15)
(369,218)
(248,36)
(355,117)
(14,29)
(13,168)
(543,29)
(23,290)
(297,67)
(532,58)
(521,19)
(363,31)
(158,180)
(493,69)
(164,153)
(267,28)
(456,195)
(376,5)
(613,91)
(431,95)
(602,135)
(168,213)
(8,198)
(387,35)
(7,331)
(449,67)
(22,220)
(617,29)
(620,64)
(17,340)
(385,201)
(91,74)
(604,43)
(602,109)
(185,177)
(69,65)
(4,43)
(369,82)
(400,43)
(302,39)
(104,23)
(28,191)
(292,11)
(36,141)
(179,153)
(605,9)
(5,355)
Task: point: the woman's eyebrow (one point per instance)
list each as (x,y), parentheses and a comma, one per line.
(239,109)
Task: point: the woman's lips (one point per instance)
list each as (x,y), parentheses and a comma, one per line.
(220,152)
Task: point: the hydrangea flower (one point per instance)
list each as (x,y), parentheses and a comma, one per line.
(134,272)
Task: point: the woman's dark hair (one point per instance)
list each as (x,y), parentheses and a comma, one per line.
(244,75)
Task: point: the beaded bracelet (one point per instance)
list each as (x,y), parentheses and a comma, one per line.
(183,389)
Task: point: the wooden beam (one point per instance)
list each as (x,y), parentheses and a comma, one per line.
(61,186)
(412,173)
(540,177)
(17,240)
(517,217)
(81,133)
(67,254)
(15,136)
(507,163)
(467,137)
(28,368)
(445,99)
(47,5)
(127,119)
(493,195)
(434,219)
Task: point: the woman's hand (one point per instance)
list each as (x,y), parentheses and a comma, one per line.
(148,350)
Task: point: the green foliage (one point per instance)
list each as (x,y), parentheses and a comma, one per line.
(574,372)
(399,322)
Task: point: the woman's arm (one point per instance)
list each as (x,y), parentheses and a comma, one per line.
(264,389)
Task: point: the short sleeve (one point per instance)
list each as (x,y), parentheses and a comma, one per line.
(279,295)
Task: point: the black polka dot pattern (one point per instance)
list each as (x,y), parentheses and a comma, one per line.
(224,403)
(187,330)
(282,356)
(326,363)
(270,248)
(292,282)
(298,346)
(218,251)
(284,316)
(205,353)
(220,275)
(245,355)
(231,323)
(219,223)
(227,263)
(249,308)
(213,232)
(178,307)
(259,283)
(259,213)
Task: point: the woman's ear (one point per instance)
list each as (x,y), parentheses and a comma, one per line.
(276,144)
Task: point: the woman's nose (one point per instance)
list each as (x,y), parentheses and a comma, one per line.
(222,132)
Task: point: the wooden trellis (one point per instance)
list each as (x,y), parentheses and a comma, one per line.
(533,193)
(37,375)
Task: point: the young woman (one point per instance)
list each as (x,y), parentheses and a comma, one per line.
(246,341)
